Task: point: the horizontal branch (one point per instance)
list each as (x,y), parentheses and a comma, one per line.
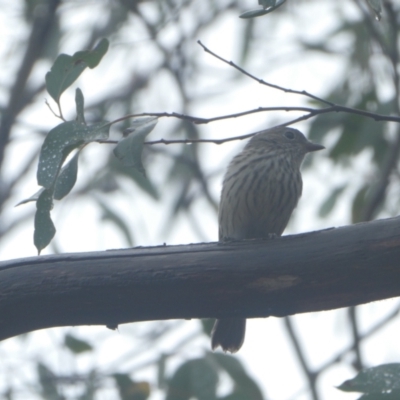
(310,113)
(314,271)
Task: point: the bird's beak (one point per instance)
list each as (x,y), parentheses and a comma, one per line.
(310,146)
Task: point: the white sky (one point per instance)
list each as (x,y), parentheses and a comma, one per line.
(266,353)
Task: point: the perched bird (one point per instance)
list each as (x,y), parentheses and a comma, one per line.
(260,190)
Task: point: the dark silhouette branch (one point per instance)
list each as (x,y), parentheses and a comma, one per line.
(261,81)
(351,347)
(41,26)
(358,363)
(310,113)
(314,271)
(331,106)
(310,375)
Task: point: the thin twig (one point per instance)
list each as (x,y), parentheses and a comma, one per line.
(378,326)
(261,81)
(311,112)
(52,111)
(311,375)
(358,362)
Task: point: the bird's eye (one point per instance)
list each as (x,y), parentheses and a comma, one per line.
(289,135)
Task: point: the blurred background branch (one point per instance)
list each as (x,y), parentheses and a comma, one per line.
(344,57)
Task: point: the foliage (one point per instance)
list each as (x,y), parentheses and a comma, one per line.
(58,177)
(379,383)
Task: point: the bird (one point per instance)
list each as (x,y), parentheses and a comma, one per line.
(261,188)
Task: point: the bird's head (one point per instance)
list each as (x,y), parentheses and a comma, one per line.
(283,140)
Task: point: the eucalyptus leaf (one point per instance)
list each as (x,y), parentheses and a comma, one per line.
(77,346)
(92,58)
(34,197)
(129,389)
(376,6)
(267,3)
(393,395)
(376,380)
(62,75)
(268,6)
(59,142)
(117,169)
(253,13)
(195,378)
(129,149)
(80,105)
(48,382)
(97,131)
(67,178)
(44,227)
(66,69)
(244,386)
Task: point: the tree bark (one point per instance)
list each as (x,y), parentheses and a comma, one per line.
(314,271)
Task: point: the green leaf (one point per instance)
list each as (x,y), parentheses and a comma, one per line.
(93,57)
(48,383)
(80,105)
(207,325)
(116,168)
(131,390)
(66,69)
(394,395)
(330,201)
(44,227)
(65,182)
(196,378)
(62,74)
(244,386)
(376,380)
(98,131)
(77,346)
(34,197)
(129,149)
(376,6)
(67,178)
(254,13)
(59,142)
(268,6)
(267,3)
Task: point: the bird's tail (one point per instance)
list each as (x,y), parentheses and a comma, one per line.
(229,334)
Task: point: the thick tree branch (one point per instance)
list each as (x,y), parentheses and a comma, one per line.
(294,274)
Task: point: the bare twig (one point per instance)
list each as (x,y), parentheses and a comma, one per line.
(311,112)
(52,111)
(261,81)
(311,375)
(378,326)
(357,363)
